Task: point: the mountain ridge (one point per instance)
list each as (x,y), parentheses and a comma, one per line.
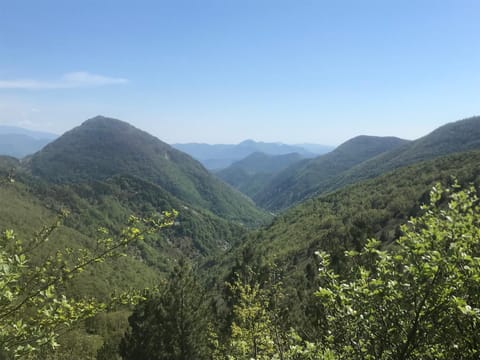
(220,156)
(457,136)
(319,176)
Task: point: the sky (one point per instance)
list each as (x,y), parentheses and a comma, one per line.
(222,71)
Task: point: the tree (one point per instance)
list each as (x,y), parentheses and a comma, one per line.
(171,324)
(258,330)
(417,299)
(251,331)
(33,306)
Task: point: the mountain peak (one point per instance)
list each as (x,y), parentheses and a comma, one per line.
(101,120)
(370,143)
(104,147)
(248,142)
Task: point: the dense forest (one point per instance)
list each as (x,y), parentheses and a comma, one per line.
(115,245)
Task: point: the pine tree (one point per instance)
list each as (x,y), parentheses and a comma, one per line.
(173,324)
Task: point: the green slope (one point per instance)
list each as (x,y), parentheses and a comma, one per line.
(102,147)
(345,219)
(26,214)
(29,203)
(251,174)
(7,163)
(303,179)
(454,137)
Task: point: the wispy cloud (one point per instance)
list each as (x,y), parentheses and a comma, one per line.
(71,80)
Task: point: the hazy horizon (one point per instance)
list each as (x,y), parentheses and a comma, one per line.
(222,72)
(211,143)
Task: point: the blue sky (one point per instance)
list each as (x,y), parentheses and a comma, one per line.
(221,71)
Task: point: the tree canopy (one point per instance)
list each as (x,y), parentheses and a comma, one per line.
(34,307)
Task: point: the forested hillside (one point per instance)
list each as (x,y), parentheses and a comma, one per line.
(102,174)
(302,287)
(28,205)
(327,173)
(250,175)
(454,137)
(284,253)
(346,218)
(302,180)
(103,147)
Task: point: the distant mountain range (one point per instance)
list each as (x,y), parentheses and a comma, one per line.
(220,156)
(19,142)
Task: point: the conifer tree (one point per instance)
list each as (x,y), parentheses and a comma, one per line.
(172,324)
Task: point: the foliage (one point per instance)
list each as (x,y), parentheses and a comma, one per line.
(417,300)
(258,330)
(339,222)
(172,324)
(253,332)
(197,232)
(33,304)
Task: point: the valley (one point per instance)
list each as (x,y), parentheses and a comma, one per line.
(243,245)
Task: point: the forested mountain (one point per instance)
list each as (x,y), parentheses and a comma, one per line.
(454,137)
(220,156)
(330,172)
(345,219)
(103,147)
(303,179)
(253,172)
(259,162)
(31,205)
(282,257)
(19,142)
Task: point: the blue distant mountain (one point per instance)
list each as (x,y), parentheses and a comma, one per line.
(220,156)
(19,142)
